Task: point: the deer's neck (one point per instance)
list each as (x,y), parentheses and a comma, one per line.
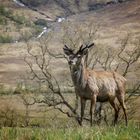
(79,76)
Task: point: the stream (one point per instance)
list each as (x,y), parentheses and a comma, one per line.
(45,29)
(19,3)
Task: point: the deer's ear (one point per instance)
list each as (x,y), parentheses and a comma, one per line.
(67,50)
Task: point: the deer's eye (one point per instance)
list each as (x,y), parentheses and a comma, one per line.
(71,57)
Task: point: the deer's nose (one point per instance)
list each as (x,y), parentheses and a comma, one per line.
(70,62)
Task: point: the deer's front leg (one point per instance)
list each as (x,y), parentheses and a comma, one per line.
(83,104)
(92,107)
(76,103)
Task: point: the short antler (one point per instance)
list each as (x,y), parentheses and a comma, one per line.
(67,50)
(82,49)
(88,46)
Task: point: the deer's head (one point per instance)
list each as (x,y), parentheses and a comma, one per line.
(74,59)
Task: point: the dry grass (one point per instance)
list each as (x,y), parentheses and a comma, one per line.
(44,116)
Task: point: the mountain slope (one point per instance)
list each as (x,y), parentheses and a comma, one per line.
(65,8)
(115,22)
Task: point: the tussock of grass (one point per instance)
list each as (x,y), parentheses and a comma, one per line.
(5,39)
(120,132)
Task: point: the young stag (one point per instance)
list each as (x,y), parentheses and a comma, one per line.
(97,86)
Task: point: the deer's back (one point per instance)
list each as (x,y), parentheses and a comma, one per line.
(105,84)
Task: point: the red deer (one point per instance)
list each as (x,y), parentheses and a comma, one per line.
(96,86)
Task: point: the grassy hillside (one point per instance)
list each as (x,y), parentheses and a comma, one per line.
(114,21)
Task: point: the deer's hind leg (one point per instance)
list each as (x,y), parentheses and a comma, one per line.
(115,106)
(120,98)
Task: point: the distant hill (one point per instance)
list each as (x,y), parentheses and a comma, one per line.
(17,23)
(69,7)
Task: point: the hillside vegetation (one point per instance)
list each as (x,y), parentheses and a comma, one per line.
(69,7)
(115,21)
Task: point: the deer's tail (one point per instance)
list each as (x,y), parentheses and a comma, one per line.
(120,81)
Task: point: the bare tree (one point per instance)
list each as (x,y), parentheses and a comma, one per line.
(39,69)
(40,59)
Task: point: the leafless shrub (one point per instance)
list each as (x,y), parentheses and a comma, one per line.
(10,117)
(28,101)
